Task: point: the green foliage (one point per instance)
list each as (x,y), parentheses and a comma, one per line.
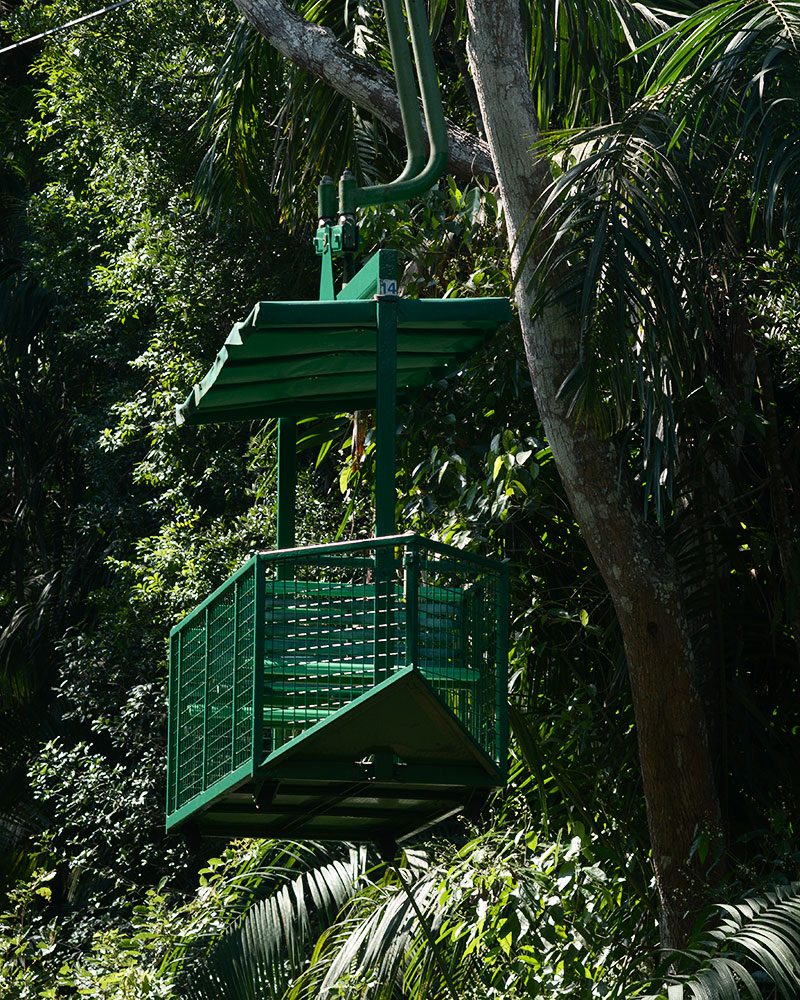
(42,478)
(661,223)
(115,295)
(183,946)
(258,99)
(670,228)
(511,914)
(753,951)
(114,522)
(268,949)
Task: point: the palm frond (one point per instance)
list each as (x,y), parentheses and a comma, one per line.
(577,57)
(233,172)
(389,942)
(268,948)
(734,71)
(650,230)
(627,241)
(753,952)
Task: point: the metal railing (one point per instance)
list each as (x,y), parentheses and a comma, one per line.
(297,634)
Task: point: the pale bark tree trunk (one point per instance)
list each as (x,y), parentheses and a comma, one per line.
(642,579)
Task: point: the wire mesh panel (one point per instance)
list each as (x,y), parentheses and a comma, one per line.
(462,632)
(318,652)
(211,690)
(296,635)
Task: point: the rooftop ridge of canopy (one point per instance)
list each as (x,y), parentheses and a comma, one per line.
(292,359)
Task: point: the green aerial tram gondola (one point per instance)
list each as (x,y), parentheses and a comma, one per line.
(354,691)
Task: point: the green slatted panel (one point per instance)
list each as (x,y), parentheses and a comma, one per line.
(219,688)
(319,648)
(189,749)
(241,748)
(321,637)
(172,721)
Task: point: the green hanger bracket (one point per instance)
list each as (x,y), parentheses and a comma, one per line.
(338,227)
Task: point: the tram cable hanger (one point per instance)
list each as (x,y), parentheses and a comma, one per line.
(354,691)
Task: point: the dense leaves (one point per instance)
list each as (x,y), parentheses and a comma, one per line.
(150,167)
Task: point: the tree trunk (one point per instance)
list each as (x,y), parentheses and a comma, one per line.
(781,517)
(316,50)
(642,579)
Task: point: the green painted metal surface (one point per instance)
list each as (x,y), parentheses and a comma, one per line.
(378,276)
(322,785)
(406,90)
(275,680)
(412,182)
(297,358)
(386,417)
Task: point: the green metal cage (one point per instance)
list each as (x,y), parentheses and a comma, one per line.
(282,670)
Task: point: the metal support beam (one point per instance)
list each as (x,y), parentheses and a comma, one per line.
(385,427)
(377,277)
(326,285)
(385,416)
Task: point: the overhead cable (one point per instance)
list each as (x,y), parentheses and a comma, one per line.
(64,27)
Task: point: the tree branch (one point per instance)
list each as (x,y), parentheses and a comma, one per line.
(316,50)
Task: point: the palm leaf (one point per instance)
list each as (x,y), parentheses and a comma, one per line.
(576,52)
(622,240)
(753,953)
(741,58)
(232,172)
(269,947)
(645,232)
(379,949)
(272,129)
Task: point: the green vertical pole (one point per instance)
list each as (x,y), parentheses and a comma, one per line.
(411,186)
(259,605)
(347,224)
(406,89)
(385,418)
(411,564)
(326,201)
(326,287)
(287,489)
(235,688)
(326,212)
(206,683)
